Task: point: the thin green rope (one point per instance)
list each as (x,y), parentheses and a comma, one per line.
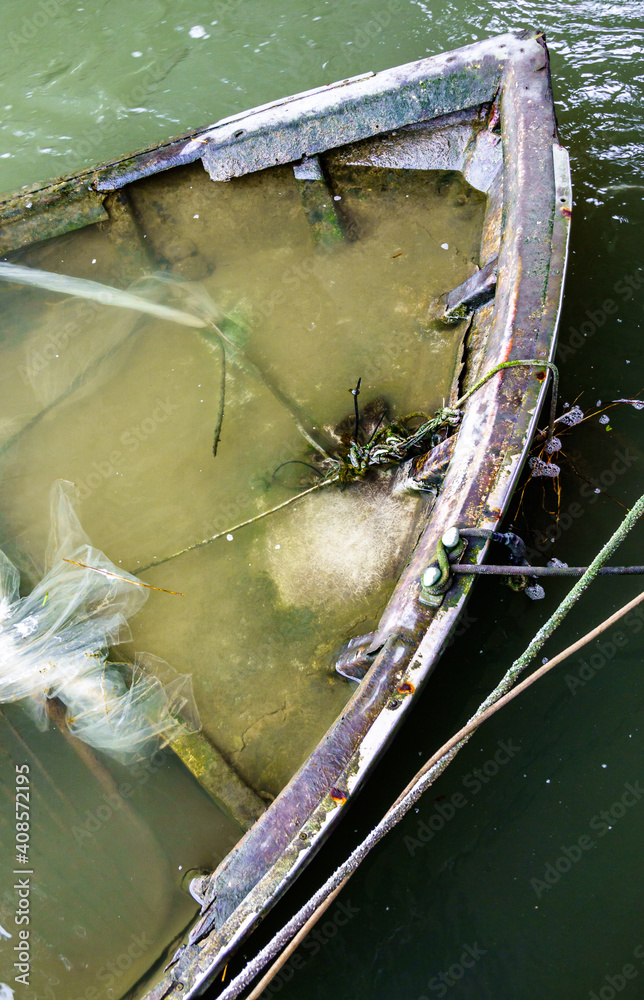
(517,364)
(566,605)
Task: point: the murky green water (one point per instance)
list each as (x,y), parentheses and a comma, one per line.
(125,409)
(469,904)
(94,921)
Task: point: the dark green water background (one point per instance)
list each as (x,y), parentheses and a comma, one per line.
(82,82)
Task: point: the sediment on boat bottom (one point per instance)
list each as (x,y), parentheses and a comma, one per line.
(124,408)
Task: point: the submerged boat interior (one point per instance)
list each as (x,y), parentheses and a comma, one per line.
(354,287)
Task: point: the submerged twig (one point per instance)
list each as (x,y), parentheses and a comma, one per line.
(296,461)
(126,579)
(377,427)
(242,360)
(228,531)
(222,399)
(355,393)
(604,493)
(547,446)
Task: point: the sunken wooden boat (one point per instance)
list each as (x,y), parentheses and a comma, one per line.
(474,127)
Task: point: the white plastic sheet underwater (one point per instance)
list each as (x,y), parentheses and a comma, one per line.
(54,644)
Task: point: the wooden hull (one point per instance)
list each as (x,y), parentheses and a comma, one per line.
(433,105)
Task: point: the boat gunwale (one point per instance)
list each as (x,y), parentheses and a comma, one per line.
(41,211)
(485,481)
(490,480)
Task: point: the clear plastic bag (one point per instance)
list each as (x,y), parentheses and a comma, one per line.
(54,644)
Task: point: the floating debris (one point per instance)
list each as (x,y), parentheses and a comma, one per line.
(54,644)
(541,468)
(200,312)
(106,295)
(636,403)
(119,576)
(571,417)
(390,444)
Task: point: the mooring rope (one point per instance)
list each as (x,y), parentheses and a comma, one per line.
(434,767)
(552,368)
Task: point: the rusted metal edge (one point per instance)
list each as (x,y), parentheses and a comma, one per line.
(500,418)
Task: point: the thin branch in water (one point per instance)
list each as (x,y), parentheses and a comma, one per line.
(126,579)
(355,393)
(377,427)
(295,461)
(243,361)
(608,406)
(520,503)
(222,398)
(229,531)
(603,492)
